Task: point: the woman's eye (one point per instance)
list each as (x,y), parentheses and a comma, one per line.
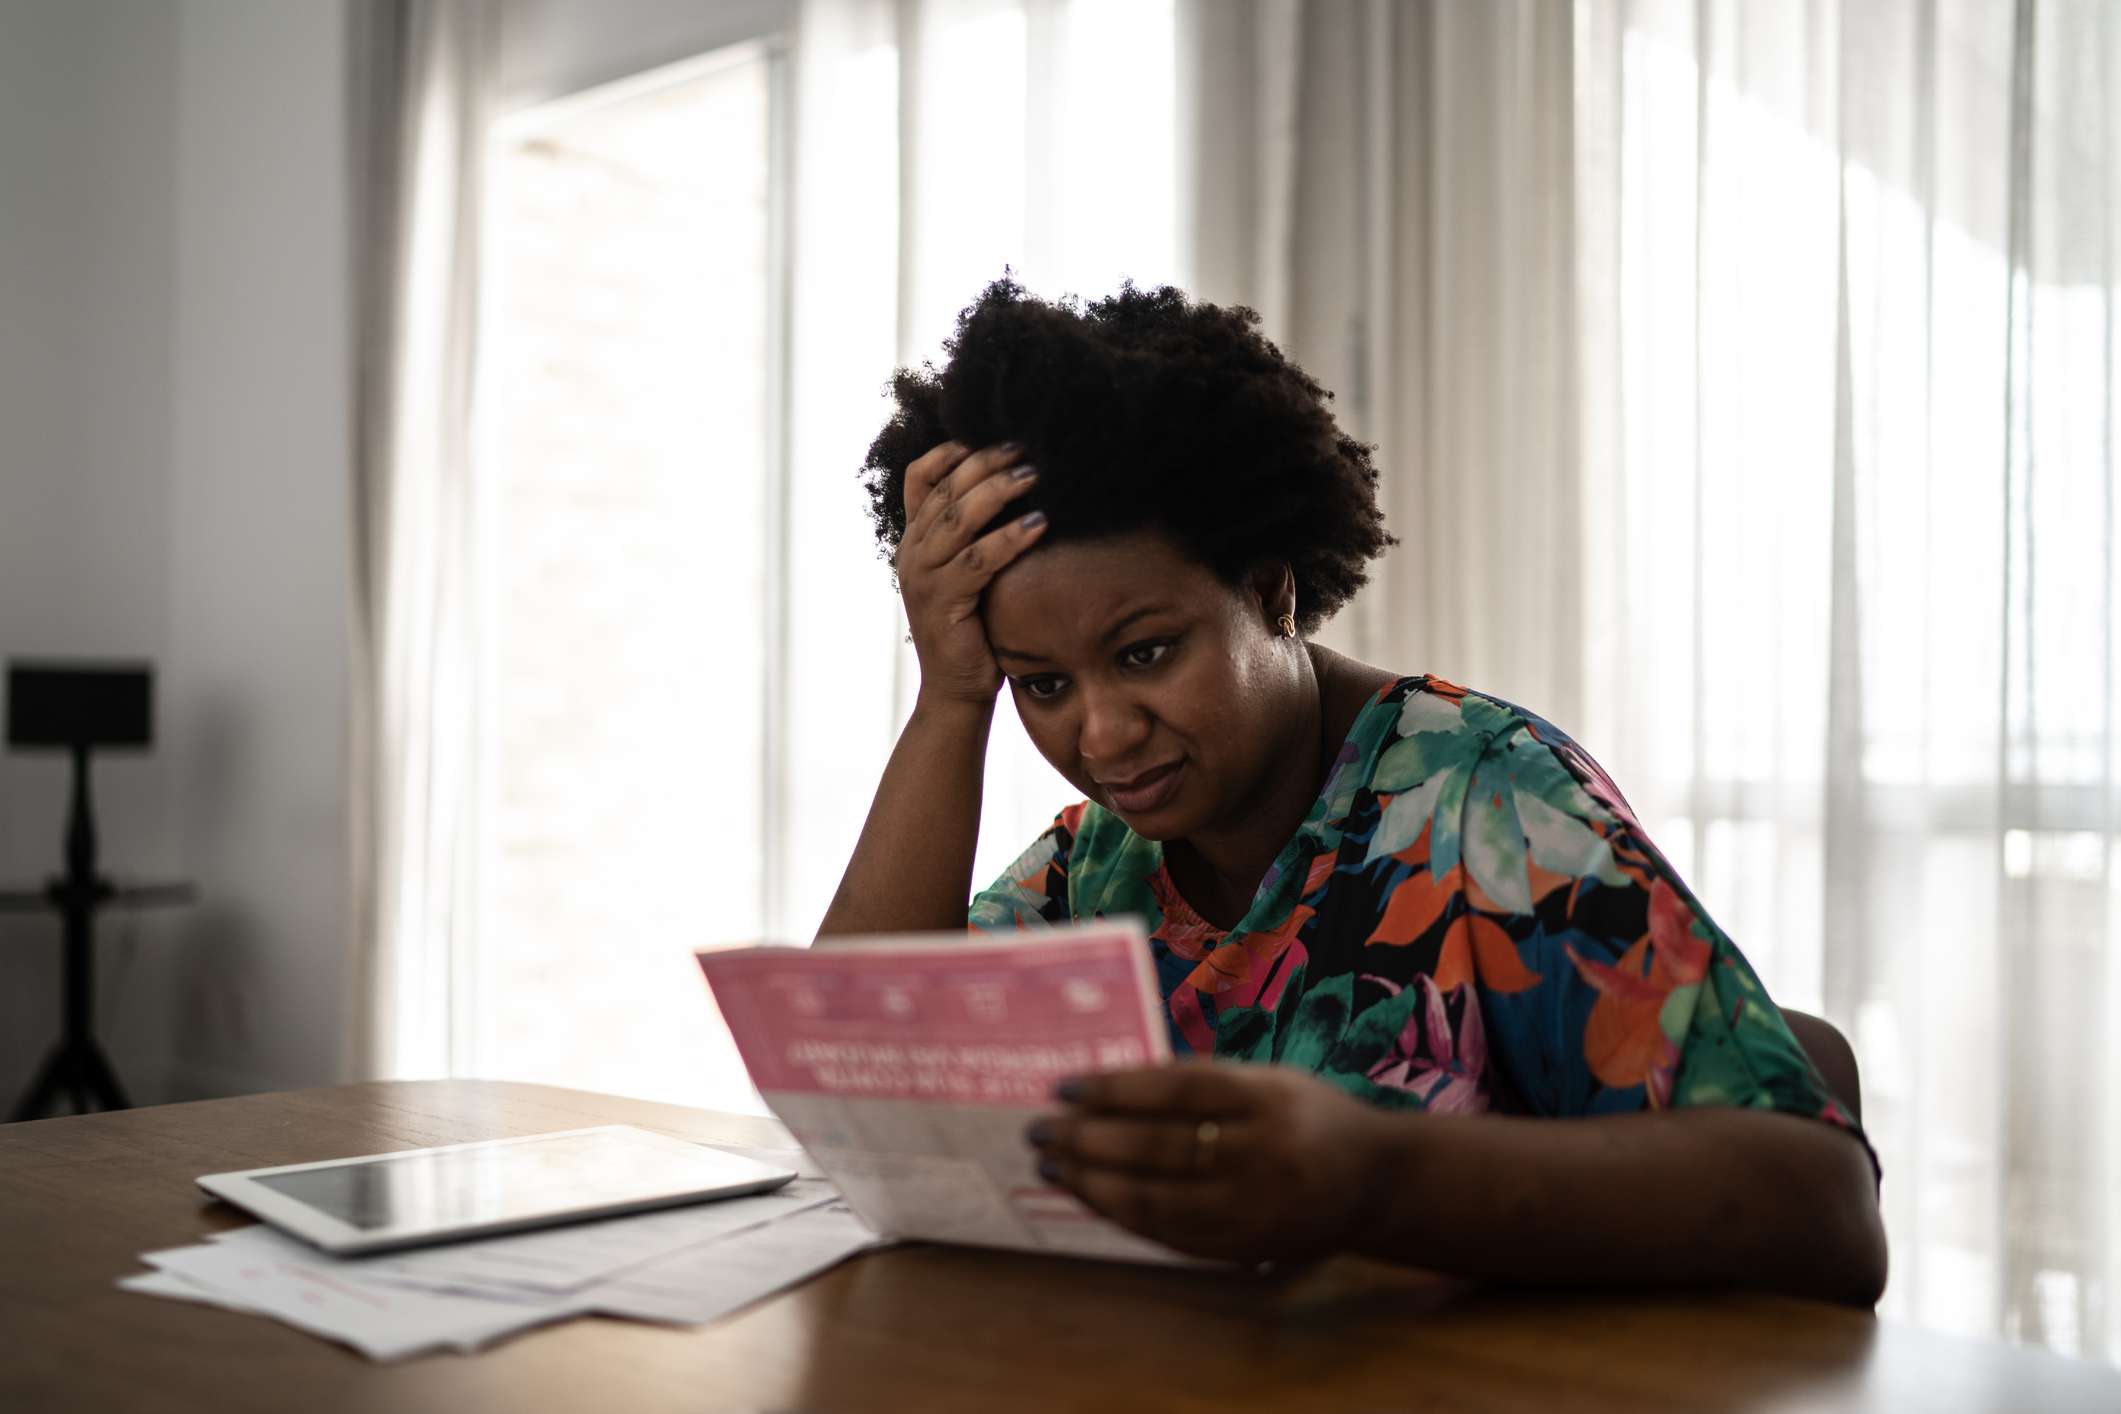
(1039,688)
(1141,655)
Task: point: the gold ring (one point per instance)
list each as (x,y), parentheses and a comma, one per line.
(1204,1136)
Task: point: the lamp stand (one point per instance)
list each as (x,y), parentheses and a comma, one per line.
(77,1065)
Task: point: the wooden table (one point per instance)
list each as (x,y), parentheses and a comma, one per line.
(917,1327)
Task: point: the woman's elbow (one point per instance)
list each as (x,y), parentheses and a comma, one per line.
(1855,1272)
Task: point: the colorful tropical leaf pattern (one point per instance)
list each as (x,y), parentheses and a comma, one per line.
(1470,918)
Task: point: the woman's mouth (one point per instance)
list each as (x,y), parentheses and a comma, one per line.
(1147,791)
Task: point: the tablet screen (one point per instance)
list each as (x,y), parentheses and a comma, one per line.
(502,1182)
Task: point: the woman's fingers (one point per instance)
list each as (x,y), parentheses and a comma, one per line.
(1173,1147)
(1195,1088)
(962,502)
(970,568)
(928,469)
(1246,1161)
(952,494)
(1192,1215)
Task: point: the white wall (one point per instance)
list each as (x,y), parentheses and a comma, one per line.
(174,390)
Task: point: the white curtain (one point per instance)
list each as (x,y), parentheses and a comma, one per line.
(420,84)
(1744,380)
(932,145)
(937,142)
(1855,462)
(1389,185)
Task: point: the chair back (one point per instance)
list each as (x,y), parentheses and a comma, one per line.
(1832,1057)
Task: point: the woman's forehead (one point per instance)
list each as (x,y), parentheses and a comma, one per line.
(1077,593)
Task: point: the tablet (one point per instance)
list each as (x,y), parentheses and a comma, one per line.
(415,1196)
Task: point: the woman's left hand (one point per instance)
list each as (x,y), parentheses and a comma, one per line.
(1244,1162)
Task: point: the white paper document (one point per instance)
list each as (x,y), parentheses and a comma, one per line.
(678,1266)
(711,1280)
(281,1277)
(181,1289)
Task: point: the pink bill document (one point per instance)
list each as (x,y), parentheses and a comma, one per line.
(908,1067)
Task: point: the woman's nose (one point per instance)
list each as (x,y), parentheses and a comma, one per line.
(1113,730)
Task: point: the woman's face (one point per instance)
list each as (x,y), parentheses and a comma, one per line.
(1155,688)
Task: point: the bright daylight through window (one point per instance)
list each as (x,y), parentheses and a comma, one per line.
(624,481)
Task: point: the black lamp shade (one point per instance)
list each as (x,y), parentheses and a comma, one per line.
(63,705)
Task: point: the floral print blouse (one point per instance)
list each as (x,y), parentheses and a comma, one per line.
(1470,918)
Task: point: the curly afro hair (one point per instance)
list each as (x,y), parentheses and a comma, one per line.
(1147,411)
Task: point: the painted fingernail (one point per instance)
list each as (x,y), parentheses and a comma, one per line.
(1022,473)
(1033,521)
(1069,1089)
(1039,1133)
(1012,448)
(1049,1170)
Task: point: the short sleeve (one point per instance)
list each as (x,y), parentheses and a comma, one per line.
(1033,891)
(1619,991)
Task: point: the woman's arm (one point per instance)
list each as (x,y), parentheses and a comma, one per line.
(912,867)
(1291,1167)
(1672,1198)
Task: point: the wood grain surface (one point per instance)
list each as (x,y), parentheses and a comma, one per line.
(912,1328)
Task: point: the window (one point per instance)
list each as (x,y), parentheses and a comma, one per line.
(626,485)
(695,668)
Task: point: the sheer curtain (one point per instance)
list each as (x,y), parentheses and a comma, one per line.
(1389,185)
(421,86)
(1850,461)
(932,145)
(937,142)
(1744,378)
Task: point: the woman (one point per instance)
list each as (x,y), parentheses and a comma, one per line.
(1426,917)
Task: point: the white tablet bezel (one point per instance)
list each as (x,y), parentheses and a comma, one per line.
(344,1239)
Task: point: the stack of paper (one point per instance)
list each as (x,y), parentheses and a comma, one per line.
(682,1266)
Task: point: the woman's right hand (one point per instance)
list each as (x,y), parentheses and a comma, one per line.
(944,564)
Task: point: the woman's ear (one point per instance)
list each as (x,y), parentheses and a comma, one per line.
(1274,586)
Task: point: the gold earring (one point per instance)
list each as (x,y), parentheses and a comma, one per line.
(1287,624)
